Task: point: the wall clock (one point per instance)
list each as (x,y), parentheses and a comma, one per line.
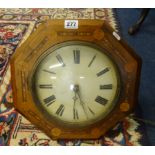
(75,78)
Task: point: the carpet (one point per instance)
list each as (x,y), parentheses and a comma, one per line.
(16,25)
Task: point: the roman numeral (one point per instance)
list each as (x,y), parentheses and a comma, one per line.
(45,86)
(75,114)
(59,58)
(101,100)
(92,112)
(49,71)
(60,110)
(102,72)
(76,54)
(49,100)
(107,86)
(92,60)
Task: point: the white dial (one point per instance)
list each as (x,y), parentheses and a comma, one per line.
(76,84)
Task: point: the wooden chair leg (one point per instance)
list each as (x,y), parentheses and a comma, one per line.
(134,28)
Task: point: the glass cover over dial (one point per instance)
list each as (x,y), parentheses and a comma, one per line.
(75,83)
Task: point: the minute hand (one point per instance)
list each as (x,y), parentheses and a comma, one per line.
(83,105)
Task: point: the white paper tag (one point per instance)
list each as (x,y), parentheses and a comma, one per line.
(116,36)
(71,24)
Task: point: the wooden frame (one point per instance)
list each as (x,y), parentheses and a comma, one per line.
(51,33)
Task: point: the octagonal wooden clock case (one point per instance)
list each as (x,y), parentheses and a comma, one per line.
(75,78)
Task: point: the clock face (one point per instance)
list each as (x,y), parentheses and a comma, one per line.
(75,83)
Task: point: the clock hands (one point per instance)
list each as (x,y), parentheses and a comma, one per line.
(76,91)
(74,106)
(83,105)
